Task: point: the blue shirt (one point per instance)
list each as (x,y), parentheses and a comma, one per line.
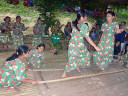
(120,37)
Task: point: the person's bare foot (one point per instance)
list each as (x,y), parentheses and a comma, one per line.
(78,69)
(14,89)
(117,61)
(64,75)
(103,71)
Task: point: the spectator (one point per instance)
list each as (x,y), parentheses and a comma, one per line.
(117,48)
(93,36)
(121,36)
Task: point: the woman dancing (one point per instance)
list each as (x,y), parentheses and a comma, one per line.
(78,55)
(106,44)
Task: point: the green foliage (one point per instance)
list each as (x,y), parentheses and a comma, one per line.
(120,7)
(125,15)
(64,14)
(2,10)
(94,5)
(121,17)
(19,9)
(47,6)
(53,6)
(3,4)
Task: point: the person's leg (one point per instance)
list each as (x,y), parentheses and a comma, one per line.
(2,47)
(122,45)
(64,75)
(15,42)
(125,43)
(103,70)
(7,46)
(118,60)
(78,69)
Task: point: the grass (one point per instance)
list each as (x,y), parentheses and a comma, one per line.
(18,9)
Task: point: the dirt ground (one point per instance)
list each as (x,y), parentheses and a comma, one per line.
(104,85)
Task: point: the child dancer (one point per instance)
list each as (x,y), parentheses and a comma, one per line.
(78,55)
(36,57)
(12,73)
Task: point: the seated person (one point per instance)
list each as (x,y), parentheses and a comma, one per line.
(68,30)
(57,28)
(93,36)
(121,36)
(117,48)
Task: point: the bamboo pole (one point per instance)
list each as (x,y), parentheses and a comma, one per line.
(78,77)
(47,70)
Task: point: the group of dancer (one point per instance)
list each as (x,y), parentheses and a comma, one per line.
(78,54)
(12,73)
(17,36)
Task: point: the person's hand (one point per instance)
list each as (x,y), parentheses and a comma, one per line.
(119,30)
(97,49)
(34,82)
